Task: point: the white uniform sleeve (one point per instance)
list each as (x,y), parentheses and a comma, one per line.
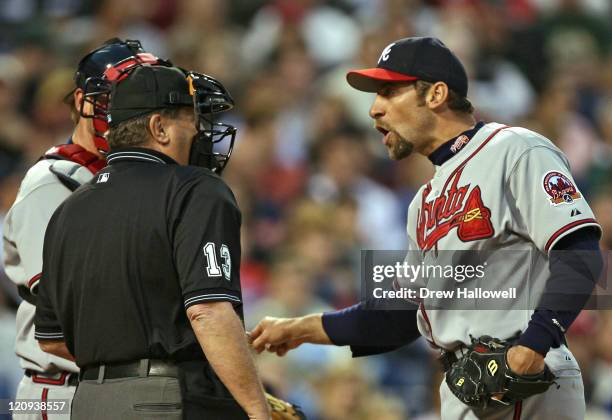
(25,231)
(544,198)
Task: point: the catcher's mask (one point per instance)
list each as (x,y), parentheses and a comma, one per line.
(214,141)
(107,64)
(148,88)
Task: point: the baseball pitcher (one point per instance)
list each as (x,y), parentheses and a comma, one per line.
(496,189)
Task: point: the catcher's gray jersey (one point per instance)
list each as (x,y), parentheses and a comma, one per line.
(509,189)
(39,195)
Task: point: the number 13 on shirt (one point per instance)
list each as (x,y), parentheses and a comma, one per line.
(212,267)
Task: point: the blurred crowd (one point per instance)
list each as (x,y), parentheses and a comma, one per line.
(310,174)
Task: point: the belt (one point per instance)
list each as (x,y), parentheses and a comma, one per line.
(138,368)
(71,379)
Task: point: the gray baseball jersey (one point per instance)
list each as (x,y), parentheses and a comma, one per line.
(40,193)
(509,191)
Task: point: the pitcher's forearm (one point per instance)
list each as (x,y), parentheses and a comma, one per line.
(310,329)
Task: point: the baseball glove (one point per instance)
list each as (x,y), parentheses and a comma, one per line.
(282,410)
(483,373)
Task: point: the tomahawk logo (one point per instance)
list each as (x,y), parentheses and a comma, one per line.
(384,55)
(449,210)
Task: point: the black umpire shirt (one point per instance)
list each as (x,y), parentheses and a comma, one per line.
(128,252)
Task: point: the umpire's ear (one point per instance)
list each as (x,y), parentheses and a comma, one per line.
(436,96)
(157,130)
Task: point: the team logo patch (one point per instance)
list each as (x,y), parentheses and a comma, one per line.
(560,189)
(461,141)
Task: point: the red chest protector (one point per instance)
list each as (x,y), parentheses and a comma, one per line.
(77,154)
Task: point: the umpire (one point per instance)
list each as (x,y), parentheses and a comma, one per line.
(141,265)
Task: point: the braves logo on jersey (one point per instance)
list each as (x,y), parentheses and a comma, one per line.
(455,207)
(560,188)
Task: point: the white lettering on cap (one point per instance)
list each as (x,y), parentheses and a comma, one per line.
(384,55)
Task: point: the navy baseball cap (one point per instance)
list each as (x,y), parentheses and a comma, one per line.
(411,59)
(96,62)
(146,89)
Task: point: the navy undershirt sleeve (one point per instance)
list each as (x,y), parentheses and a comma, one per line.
(370,331)
(575,265)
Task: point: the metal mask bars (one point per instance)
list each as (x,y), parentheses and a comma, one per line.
(214,141)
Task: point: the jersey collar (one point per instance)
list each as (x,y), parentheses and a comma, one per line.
(450,148)
(139,154)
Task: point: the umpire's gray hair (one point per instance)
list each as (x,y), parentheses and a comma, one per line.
(135,131)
